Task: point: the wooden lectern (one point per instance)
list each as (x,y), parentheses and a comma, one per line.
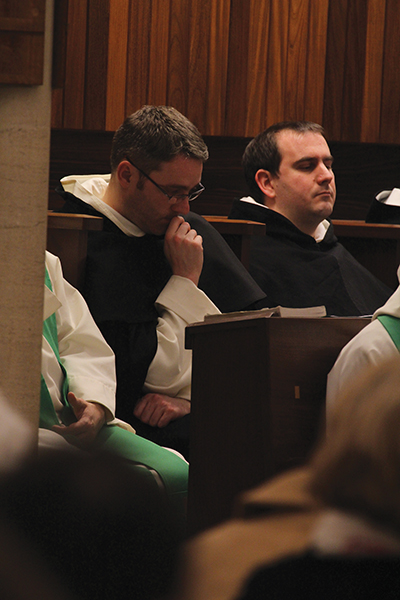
(258,393)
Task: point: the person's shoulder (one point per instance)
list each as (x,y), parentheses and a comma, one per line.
(53,263)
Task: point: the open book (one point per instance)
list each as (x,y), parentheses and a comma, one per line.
(277,311)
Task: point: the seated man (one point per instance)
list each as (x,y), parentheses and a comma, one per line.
(299,262)
(78,389)
(132,275)
(377,342)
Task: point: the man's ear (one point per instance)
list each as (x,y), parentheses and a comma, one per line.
(266,183)
(125,173)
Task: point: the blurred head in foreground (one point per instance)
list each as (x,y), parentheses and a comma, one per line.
(98,525)
(357,469)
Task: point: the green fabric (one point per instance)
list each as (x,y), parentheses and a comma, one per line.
(173,471)
(48,415)
(392,326)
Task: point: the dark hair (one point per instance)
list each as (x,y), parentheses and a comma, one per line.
(263,153)
(156,134)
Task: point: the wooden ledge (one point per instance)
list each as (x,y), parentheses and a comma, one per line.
(73,221)
(345,228)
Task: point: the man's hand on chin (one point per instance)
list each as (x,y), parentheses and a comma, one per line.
(183,248)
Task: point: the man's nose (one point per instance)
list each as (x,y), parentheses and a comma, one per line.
(182,207)
(325,173)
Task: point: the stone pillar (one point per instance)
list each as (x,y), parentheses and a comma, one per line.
(24,171)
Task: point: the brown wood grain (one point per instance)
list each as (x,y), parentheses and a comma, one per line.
(57,101)
(257,72)
(116,67)
(74,88)
(159,51)
(354,70)
(371,109)
(59,43)
(198,62)
(390,113)
(179,39)
(277,62)
(335,68)
(316,57)
(137,78)
(238,68)
(96,64)
(22,42)
(235,67)
(296,59)
(217,67)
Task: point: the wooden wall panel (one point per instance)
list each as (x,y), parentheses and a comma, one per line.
(257,71)
(116,66)
(335,68)
(371,109)
(178,80)
(138,56)
(239,65)
(96,64)
(159,52)
(296,59)
(277,62)
(75,66)
(354,70)
(316,58)
(390,113)
(235,66)
(198,61)
(217,66)
(22,42)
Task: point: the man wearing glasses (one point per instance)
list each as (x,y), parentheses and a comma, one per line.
(147,274)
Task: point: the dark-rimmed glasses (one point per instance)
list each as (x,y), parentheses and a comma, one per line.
(173,198)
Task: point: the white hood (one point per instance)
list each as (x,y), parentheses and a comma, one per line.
(91,189)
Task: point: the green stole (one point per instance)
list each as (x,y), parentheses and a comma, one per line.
(48,415)
(392,326)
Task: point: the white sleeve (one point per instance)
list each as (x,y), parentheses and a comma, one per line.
(371,346)
(87,358)
(179,304)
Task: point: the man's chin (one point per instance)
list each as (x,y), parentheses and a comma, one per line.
(160,230)
(326,209)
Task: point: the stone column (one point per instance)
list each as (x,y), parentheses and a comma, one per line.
(24,171)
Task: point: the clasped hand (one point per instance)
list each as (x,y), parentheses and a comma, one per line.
(158,410)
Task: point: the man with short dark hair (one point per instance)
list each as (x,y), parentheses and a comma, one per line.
(145,278)
(299,262)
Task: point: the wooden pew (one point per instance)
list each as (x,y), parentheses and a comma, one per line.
(237,233)
(67,236)
(376,246)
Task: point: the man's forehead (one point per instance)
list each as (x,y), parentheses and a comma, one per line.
(179,162)
(290,141)
(180,172)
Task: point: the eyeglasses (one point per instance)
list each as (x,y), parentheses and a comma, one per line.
(173,198)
